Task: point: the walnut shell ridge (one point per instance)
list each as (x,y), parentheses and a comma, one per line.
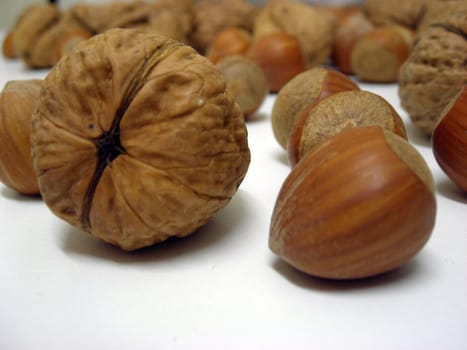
(135,139)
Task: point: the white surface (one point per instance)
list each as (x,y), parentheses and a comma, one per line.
(221,288)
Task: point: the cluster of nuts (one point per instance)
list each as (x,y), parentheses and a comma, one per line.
(43,33)
(360,199)
(131,137)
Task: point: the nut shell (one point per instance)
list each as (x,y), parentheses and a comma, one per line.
(450,140)
(434,73)
(280,57)
(230,41)
(328,117)
(313,29)
(212,16)
(17,103)
(378,55)
(354,209)
(8,49)
(245,81)
(135,139)
(300,92)
(348,30)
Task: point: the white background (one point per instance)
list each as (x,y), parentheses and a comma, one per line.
(222,288)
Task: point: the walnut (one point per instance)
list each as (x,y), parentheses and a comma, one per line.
(168,17)
(44,33)
(101,17)
(212,16)
(136,140)
(435,70)
(440,11)
(35,21)
(402,12)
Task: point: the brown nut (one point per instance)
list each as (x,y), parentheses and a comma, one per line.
(212,16)
(28,42)
(135,139)
(313,29)
(17,103)
(8,48)
(360,204)
(338,12)
(69,40)
(230,41)
(348,30)
(335,113)
(303,90)
(245,81)
(280,57)
(378,55)
(406,13)
(434,72)
(450,140)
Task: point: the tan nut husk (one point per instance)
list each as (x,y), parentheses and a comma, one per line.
(337,112)
(300,92)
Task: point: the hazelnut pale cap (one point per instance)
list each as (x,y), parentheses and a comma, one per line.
(135,139)
(304,89)
(337,112)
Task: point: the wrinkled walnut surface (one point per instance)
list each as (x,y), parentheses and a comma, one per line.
(435,72)
(135,139)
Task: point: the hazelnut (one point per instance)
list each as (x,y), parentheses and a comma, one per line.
(302,91)
(378,55)
(136,140)
(450,140)
(17,103)
(337,112)
(212,16)
(229,41)
(245,81)
(8,49)
(359,204)
(313,29)
(280,57)
(348,30)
